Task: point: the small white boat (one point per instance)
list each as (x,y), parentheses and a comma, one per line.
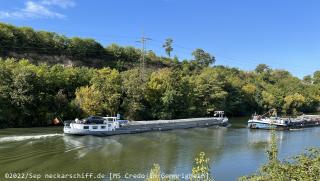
(268,123)
(272,122)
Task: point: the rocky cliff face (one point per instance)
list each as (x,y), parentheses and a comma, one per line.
(36,58)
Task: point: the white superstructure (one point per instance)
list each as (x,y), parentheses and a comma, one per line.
(91,125)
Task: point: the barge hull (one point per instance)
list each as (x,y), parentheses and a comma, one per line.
(148,126)
(267,126)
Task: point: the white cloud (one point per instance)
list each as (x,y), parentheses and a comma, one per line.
(62,3)
(36,10)
(40,9)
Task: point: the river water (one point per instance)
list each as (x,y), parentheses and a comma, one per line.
(233,151)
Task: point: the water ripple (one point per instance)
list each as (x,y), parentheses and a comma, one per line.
(29,137)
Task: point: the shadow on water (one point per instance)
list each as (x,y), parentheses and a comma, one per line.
(239,122)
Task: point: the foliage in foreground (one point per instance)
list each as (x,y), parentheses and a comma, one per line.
(304,167)
(201,168)
(200,171)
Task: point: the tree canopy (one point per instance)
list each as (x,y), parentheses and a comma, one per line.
(30,95)
(168,46)
(202,58)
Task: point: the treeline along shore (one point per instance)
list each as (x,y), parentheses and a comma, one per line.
(44,75)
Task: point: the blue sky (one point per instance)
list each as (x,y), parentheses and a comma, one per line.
(284,34)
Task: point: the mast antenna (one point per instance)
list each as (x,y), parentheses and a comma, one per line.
(143,41)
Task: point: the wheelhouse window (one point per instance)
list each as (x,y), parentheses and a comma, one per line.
(85,127)
(94,127)
(103,127)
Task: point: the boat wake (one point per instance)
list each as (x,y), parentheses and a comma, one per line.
(71,149)
(22,138)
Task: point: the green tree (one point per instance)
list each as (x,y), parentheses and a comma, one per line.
(208,92)
(121,56)
(6,108)
(7,38)
(292,103)
(168,46)
(269,100)
(316,77)
(165,94)
(28,95)
(90,100)
(108,82)
(249,89)
(84,48)
(262,68)
(134,89)
(202,58)
(307,79)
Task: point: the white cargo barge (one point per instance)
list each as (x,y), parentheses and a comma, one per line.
(105,126)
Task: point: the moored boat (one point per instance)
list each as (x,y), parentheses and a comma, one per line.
(304,121)
(270,122)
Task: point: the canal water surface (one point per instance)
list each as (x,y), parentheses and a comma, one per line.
(233,151)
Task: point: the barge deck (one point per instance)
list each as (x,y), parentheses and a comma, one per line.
(133,127)
(305,121)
